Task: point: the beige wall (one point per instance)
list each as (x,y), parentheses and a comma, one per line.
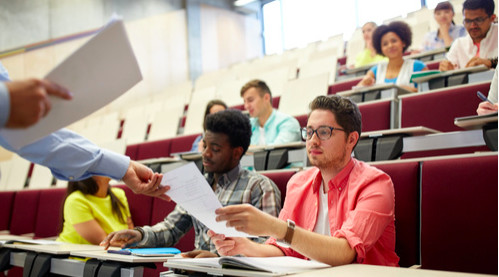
(227,38)
(161,47)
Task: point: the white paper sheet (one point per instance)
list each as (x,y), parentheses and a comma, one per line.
(190,190)
(97,73)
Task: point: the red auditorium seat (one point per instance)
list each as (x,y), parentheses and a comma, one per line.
(50,212)
(154,149)
(275,102)
(433,65)
(182,143)
(302,119)
(160,210)
(405,178)
(343,85)
(6,205)
(375,116)
(459,214)
(24,212)
(131,151)
(140,206)
(281,179)
(438,109)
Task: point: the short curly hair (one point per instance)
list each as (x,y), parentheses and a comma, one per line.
(398,27)
(234,124)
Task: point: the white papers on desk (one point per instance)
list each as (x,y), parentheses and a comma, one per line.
(279,265)
(97,73)
(190,190)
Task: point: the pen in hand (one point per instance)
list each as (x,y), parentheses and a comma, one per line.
(482,97)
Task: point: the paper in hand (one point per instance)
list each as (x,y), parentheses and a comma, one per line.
(97,73)
(190,190)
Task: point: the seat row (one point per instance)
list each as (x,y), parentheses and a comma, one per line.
(435,109)
(441,205)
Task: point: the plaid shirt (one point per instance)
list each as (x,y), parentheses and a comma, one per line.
(238,186)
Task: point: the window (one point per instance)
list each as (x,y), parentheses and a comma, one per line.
(289,24)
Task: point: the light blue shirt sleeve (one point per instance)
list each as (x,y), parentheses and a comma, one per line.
(68,155)
(72,157)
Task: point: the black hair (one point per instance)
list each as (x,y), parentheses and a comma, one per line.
(234,124)
(209,106)
(487,5)
(398,27)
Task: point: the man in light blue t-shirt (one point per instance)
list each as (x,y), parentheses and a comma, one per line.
(268,126)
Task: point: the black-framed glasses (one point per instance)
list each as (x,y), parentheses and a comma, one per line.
(477,21)
(323,132)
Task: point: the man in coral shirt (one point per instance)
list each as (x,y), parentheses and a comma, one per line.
(341,211)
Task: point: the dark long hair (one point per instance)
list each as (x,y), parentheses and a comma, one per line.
(90,186)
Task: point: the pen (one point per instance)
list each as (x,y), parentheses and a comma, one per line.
(481,96)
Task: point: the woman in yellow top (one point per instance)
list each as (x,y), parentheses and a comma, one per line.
(92,210)
(368,55)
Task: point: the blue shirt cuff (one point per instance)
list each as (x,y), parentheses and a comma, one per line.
(112,164)
(4,104)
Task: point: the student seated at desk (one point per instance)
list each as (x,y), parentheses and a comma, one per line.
(340,211)
(369,54)
(92,210)
(391,41)
(479,46)
(212,107)
(226,140)
(268,125)
(447,31)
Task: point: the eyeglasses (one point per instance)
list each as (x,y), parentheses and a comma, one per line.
(323,132)
(477,21)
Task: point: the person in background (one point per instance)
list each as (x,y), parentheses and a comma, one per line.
(92,210)
(338,212)
(486,107)
(268,126)
(447,31)
(368,55)
(212,107)
(226,140)
(68,155)
(392,41)
(479,47)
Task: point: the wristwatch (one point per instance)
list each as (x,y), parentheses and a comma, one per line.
(286,242)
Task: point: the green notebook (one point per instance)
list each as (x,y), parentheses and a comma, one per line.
(423,73)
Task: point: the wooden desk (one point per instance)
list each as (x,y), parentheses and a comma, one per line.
(413,131)
(352,270)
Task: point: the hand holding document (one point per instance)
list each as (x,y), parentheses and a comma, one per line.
(97,73)
(190,190)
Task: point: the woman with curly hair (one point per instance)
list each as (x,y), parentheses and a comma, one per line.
(392,41)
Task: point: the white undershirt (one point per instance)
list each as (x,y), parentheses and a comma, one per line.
(261,141)
(322,225)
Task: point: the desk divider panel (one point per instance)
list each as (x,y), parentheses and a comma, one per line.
(459,215)
(49,212)
(437,110)
(24,212)
(405,178)
(6,206)
(140,206)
